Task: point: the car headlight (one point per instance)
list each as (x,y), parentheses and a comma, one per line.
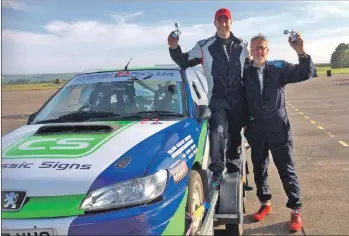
(132,192)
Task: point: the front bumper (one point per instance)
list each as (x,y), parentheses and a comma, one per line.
(142,220)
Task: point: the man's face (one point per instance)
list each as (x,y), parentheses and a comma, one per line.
(223,25)
(259,50)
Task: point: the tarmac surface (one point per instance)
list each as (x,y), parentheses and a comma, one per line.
(16,106)
(318,110)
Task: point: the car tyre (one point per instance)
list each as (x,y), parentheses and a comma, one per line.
(195,198)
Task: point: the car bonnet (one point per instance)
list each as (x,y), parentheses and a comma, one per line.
(45,162)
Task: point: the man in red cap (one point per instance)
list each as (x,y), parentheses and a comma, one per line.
(222,57)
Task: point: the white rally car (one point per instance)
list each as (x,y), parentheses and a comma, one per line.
(112,152)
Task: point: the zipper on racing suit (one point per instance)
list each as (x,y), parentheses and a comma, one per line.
(226,51)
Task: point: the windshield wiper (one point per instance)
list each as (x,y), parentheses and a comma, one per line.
(79,116)
(154,113)
(142,114)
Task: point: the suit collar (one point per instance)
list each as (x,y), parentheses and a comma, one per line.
(231,38)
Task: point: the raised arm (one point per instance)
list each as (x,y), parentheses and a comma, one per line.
(188,59)
(293,73)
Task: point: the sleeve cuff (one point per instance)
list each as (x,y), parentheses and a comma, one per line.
(174,49)
(303,55)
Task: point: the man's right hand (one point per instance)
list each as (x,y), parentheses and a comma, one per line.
(172,42)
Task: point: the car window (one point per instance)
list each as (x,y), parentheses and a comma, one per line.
(133,91)
(198,92)
(203,80)
(74,98)
(195,94)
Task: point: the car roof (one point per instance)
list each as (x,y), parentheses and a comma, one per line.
(156,67)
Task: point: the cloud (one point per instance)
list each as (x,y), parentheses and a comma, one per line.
(121,18)
(323,10)
(81,45)
(15,5)
(334,8)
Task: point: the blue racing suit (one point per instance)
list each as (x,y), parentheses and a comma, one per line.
(223,62)
(268,125)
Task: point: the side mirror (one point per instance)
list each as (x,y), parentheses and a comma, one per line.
(202,112)
(31,117)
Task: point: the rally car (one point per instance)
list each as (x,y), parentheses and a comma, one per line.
(111,152)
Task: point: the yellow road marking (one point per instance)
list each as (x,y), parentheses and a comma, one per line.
(320,127)
(343,143)
(293,107)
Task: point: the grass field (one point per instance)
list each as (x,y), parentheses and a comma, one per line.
(323,70)
(320,70)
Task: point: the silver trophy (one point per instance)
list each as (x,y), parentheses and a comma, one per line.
(175,34)
(292,34)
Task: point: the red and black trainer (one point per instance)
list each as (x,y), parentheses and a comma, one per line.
(296,223)
(263,211)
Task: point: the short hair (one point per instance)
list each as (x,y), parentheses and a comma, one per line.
(259,36)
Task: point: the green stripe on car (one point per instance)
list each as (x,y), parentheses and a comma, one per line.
(201,144)
(176,226)
(45,207)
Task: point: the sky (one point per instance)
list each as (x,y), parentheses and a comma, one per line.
(68,36)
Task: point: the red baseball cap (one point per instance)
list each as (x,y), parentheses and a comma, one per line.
(222,12)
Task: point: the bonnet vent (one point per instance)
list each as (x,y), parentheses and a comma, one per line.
(68,128)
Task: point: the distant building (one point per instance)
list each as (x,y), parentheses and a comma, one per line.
(58,81)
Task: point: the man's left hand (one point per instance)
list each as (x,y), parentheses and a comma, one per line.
(298,45)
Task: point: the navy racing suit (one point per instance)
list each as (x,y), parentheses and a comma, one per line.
(223,62)
(268,125)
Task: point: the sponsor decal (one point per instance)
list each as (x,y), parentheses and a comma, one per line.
(122,73)
(180,143)
(171,150)
(47,165)
(184,148)
(58,146)
(101,75)
(192,147)
(147,73)
(179,171)
(156,121)
(158,75)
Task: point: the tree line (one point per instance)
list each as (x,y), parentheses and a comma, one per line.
(340,56)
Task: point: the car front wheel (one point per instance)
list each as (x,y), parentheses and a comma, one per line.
(195,199)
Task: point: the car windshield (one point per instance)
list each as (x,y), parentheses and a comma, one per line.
(117,94)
